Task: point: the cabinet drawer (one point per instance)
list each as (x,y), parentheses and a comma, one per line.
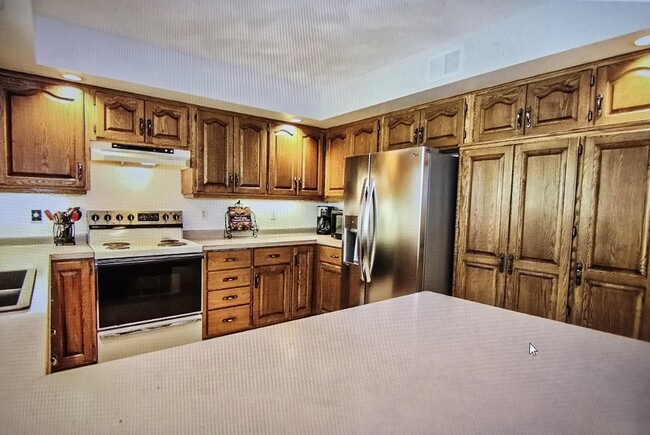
(268,256)
(229,298)
(223,260)
(224,279)
(329,255)
(229,320)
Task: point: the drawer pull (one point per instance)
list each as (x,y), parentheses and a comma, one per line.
(229,298)
(230,259)
(273,256)
(334,256)
(231,278)
(229,319)
(52,332)
(53,361)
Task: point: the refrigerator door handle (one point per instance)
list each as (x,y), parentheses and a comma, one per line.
(360,243)
(372,223)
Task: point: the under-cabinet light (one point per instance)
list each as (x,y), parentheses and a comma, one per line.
(73,77)
(296,120)
(642,41)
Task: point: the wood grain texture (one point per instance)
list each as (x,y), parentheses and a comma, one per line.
(336,149)
(118,117)
(495,113)
(169,124)
(272,294)
(227,320)
(484,210)
(214,149)
(73,320)
(224,260)
(443,123)
(364,137)
(613,236)
(311,162)
(224,279)
(250,157)
(303,281)
(399,131)
(329,297)
(229,298)
(625,88)
(330,255)
(283,149)
(275,255)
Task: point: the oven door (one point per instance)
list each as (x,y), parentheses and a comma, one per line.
(132,291)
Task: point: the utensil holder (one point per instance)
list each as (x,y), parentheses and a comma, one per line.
(64,233)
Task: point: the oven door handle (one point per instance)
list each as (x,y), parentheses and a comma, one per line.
(149,259)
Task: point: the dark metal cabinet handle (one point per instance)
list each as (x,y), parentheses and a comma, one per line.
(229,180)
(231,278)
(236,180)
(229,298)
(334,256)
(295,183)
(257,281)
(578,273)
(229,319)
(416,136)
(599,105)
(511,263)
(149,128)
(53,361)
(529,113)
(296,259)
(229,259)
(421,135)
(273,256)
(300,183)
(80,171)
(141,127)
(502,259)
(52,332)
(520,113)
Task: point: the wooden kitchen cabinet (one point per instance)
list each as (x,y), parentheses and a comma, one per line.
(623,91)
(250,155)
(329,296)
(295,161)
(439,125)
(303,277)
(227,304)
(42,136)
(611,263)
(553,104)
(516,209)
(359,138)
(126,118)
(272,294)
(73,315)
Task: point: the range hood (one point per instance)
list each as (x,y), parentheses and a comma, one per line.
(138,155)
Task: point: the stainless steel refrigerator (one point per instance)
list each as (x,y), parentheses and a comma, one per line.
(398,235)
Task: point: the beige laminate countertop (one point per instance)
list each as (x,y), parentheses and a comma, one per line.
(264,240)
(424,363)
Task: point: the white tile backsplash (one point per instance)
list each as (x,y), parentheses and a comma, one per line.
(127,187)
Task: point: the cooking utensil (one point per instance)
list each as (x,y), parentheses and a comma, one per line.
(49,215)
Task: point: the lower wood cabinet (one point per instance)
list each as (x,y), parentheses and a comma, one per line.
(303,281)
(272,294)
(329,296)
(73,314)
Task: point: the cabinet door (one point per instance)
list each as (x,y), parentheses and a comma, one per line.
(272,294)
(303,277)
(400,131)
(443,124)
(364,137)
(251,144)
(499,114)
(42,135)
(283,148)
(622,91)
(483,215)
(558,104)
(329,288)
(73,322)
(119,117)
(337,147)
(310,174)
(214,152)
(613,236)
(541,220)
(167,124)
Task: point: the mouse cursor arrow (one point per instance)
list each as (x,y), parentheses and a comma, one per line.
(531,349)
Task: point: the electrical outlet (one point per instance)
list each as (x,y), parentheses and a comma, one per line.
(36,216)
(272,215)
(204,214)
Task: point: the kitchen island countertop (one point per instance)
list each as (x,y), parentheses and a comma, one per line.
(423,363)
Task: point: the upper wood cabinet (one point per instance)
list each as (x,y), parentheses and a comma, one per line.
(611,269)
(250,156)
(554,104)
(130,119)
(359,138)
(295,161)
(73,319)
(42,136)
(516,209)
(623,91)
(440,125)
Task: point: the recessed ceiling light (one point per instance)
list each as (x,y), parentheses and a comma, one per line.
(644,40)
(73,77)
(296,120)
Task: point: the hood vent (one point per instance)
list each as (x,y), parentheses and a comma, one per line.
(138,155)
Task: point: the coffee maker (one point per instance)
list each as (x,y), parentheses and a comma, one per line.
(324,220)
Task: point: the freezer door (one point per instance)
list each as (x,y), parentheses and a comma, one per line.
(356,171)
(397,213)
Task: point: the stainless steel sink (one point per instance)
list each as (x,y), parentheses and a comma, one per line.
(16,288)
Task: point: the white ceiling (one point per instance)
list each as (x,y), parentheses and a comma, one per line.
(326,61)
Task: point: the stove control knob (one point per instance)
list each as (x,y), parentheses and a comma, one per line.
(165,217)
(130,217)
(176,216)
(107,217)
(119,217)
(94,217)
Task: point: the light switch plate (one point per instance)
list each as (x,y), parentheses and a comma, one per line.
(37,216)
